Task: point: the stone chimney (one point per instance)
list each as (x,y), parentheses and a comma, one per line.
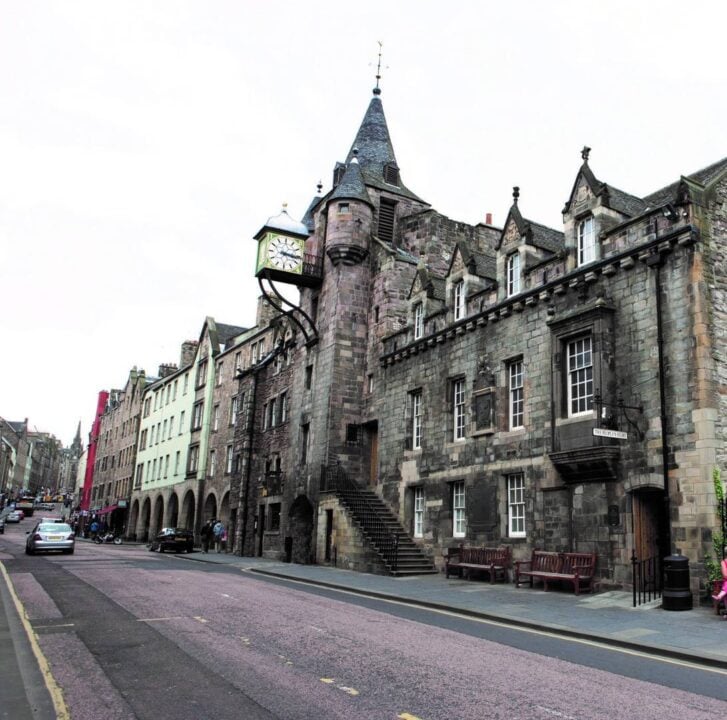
(265,313)
(189,350)
(167,369)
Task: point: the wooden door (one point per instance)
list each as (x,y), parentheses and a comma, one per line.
(373,429)
(646,508)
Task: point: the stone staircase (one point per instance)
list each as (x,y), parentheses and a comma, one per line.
(398,553)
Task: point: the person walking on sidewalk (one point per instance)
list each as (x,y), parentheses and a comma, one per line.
(206,535)
(217,530)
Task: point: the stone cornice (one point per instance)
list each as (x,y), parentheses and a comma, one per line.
(662,244)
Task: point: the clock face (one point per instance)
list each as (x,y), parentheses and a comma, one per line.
(284,253)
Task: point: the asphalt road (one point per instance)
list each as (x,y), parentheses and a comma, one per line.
(130,634)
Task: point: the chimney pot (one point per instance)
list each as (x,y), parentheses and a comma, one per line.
(488,219)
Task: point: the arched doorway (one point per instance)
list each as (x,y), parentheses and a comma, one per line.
(158,519)
(225,508)
(133,520)
(188,507)
(143,531)
(210,508)
(173,511)
(301,530)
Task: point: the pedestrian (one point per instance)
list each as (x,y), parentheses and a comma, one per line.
(721,594)
(224,539)
(217,529)
(206,535)
(94,529)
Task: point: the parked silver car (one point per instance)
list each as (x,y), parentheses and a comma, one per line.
(50,536)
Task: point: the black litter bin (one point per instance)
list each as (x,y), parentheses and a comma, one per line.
(288,546)
(676,594)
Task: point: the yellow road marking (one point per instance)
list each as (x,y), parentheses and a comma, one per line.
(199,618)
(45,627)
(514,626)
(56,694)
(408,716)
(349,690)
(328,681)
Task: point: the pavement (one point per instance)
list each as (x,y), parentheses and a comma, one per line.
(696,635)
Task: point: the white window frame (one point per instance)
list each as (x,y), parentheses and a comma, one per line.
(516,505)
(418,321)
(418,511)
(516,404)
(513,274)
(229,459)
(459,300)
(586,241)
(213,463)
(416,419)
(459,518)
(216,417)
(579,356)
(459,412)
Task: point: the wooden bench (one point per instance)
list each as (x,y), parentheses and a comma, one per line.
(494,561)
(574,567)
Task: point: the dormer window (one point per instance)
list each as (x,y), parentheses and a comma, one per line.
(418,321)
(513,274)
(338,173)
(459,300)
(391,174)
(586,241)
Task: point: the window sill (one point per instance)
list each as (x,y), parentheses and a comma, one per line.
(585,417)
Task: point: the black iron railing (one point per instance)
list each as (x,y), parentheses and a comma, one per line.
(646,578)
(312,265)
(379,534)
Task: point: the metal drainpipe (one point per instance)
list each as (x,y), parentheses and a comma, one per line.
(248,469)
(655,261)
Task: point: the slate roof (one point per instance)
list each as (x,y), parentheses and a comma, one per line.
(352,186)
(546,238)
(309,219)
(621,201)
(375,150)
(225,333)
(704,177)
(486,266)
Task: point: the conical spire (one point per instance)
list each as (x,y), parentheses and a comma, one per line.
(375,153)
(352,185)
(372,140)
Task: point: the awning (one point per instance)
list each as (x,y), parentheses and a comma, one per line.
(107,509)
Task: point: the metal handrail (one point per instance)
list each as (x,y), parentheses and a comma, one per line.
(334,479)
(646,579)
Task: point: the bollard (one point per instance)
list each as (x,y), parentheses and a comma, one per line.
(676,594)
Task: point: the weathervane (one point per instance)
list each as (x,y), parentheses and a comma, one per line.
(377,89)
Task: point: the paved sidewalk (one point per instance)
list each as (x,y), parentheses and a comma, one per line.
(609,617)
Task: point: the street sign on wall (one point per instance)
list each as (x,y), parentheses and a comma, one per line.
(615,434)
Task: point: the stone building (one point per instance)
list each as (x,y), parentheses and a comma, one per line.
(525,385)
(115,457)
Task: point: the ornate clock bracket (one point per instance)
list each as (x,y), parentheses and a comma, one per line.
(304,322)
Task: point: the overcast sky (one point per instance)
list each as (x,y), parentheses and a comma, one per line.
(143,144)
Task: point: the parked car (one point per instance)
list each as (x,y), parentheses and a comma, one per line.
(50,536)
(14,517)
(176,539)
